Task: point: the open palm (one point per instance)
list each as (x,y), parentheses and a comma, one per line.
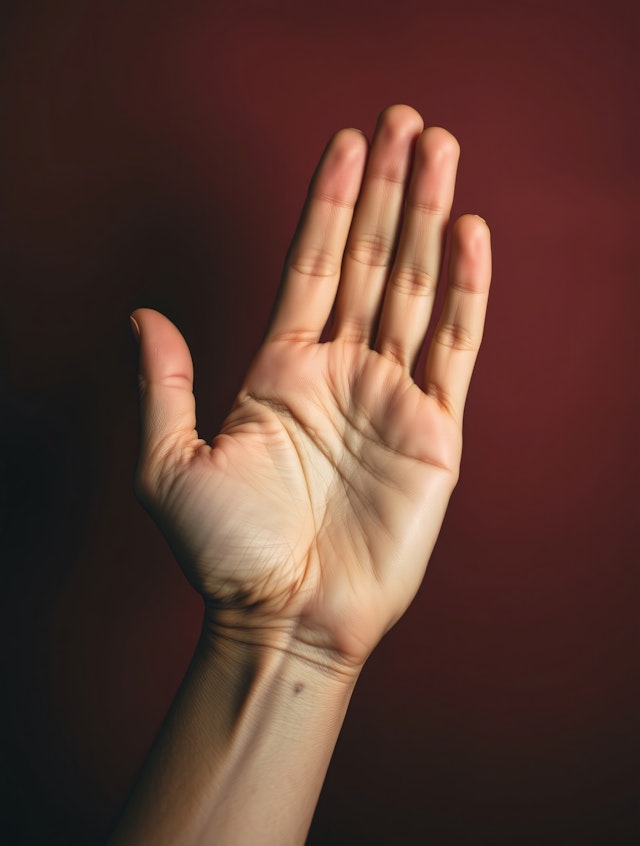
(310,519)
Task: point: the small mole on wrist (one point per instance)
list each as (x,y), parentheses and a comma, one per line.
(298,686)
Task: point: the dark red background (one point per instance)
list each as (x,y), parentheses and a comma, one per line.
(158,154)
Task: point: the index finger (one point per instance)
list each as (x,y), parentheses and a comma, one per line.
(312,268)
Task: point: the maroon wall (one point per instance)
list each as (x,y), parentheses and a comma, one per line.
(158,154)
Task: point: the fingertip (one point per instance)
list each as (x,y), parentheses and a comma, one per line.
(471,253)
(163,349)
(348,145)
(438,144)
(165,377)
(483,227)
(138,319)
(142,315)
(135,327)
(472,234)
(339,174)
(399,117)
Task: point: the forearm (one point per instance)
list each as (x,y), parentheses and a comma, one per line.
(243,753)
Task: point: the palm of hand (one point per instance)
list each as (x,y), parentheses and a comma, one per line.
(322,496)
(315,510)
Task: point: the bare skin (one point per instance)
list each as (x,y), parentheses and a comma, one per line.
(308,523)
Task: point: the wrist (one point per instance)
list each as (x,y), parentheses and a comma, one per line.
(245,748)
(278,713)
(248,640)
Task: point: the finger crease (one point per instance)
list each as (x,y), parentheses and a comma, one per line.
(333,201)
(372,251)
(456,337)
(427,208)
(319,263)
(413,280)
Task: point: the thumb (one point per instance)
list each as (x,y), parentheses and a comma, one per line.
(167,404)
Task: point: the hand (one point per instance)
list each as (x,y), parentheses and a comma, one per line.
(307,524)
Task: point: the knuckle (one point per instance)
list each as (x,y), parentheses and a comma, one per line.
(332,200)
(432,209)
(394,350)
(314,261)
(413,280)
(355,328)
(437,392)
(454,474)
(373,250)
(456,337)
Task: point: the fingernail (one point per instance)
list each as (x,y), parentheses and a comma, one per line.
(135,328)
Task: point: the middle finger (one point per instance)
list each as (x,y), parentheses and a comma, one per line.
(412,284)
(374,230)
